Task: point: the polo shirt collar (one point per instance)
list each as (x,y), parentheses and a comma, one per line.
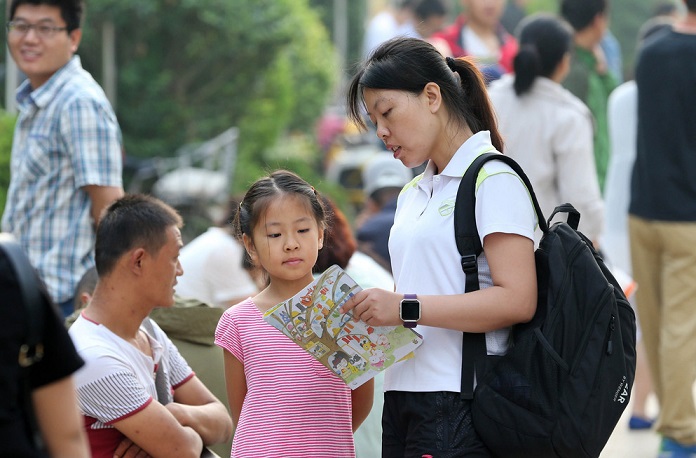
(476,145)
(45,93)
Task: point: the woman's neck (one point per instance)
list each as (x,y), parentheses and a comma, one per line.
(448,146)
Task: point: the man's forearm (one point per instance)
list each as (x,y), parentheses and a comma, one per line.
(211,421)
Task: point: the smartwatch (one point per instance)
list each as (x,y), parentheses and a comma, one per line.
(410,310)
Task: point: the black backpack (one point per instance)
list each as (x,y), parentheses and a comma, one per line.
(567,376)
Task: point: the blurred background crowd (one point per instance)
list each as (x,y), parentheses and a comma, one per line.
(180,75)
(206,104)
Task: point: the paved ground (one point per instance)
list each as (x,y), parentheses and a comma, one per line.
(625,443)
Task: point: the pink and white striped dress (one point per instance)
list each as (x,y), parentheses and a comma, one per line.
(294,406)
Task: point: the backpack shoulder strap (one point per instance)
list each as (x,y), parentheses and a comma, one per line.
(30,291)
(469,247)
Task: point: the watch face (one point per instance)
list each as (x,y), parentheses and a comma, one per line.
(410,310)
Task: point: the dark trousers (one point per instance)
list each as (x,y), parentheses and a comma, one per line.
(436,424)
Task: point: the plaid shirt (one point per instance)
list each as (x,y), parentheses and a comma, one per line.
(66,137)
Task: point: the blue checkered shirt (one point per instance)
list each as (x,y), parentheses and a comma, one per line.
(66,137)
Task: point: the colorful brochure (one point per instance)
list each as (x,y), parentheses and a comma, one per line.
(353,350)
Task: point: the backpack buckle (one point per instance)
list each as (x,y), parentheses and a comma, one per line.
(27,357)
(469,263)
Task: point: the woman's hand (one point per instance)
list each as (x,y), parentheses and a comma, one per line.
(376,307)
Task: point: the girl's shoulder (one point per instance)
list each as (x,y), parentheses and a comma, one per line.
(238,318)
(242,309)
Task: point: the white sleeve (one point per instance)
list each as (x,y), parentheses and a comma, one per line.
(108,390)
(503,204)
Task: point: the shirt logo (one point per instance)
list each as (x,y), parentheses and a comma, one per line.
(446,208)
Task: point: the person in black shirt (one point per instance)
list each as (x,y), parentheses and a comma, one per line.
(50,381)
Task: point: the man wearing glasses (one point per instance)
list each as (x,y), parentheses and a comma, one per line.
(67,151)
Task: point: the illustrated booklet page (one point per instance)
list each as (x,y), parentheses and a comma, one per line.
(353,350)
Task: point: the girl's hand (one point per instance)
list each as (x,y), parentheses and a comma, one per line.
(376,307)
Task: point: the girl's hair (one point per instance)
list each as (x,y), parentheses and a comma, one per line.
(408,64)
(544,40)
(260,195)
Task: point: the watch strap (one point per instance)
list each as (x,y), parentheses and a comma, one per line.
(410,324)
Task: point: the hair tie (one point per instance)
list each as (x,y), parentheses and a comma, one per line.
(451,63)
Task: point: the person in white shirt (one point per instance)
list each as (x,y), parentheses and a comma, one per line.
(429,108)
(213,263)
(547,129)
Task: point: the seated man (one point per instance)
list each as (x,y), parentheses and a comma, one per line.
(190,324)
(135,389)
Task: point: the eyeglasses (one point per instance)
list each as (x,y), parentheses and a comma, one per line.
(44,31)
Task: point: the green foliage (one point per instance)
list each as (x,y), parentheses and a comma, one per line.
(357,10)
(7,123)
(543,5)
(190,69)
(313,68)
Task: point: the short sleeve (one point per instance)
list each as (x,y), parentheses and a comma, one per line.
(504,205)
(227,334)
(60,357)
(110,391)
(93,139)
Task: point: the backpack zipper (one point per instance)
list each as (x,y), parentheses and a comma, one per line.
(585,338)
(562,294)
(612,327)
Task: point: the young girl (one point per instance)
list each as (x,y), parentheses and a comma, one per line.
(428,108)
(283,401)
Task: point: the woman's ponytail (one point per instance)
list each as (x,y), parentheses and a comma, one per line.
(478,110)
(527,65)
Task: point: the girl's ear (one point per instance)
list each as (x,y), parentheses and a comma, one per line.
(434,96)
(249,247)
(321,238)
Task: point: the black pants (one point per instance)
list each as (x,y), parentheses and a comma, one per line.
(437,424)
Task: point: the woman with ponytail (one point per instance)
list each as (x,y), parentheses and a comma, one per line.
(548,130)
(426,108)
